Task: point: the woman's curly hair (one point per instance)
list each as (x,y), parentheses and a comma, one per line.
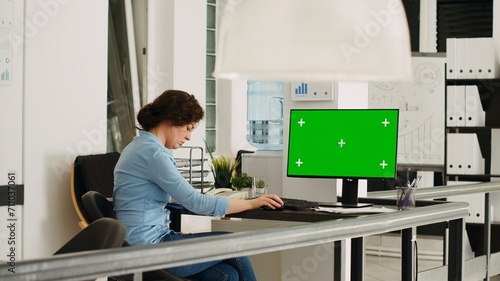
(176,107)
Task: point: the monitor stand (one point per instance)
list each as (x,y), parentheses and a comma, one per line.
(349,197)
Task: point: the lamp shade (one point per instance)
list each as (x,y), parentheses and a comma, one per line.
(314,40)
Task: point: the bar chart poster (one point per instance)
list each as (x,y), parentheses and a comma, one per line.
(5,60)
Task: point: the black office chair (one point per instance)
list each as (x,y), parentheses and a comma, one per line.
(97,206)
(104,233)
(91,172)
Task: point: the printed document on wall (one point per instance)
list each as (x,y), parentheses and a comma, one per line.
(6,13)
(421,106)
(5,59)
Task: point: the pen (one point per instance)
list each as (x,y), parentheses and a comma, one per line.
(413,183)
(400,201)
(416,182)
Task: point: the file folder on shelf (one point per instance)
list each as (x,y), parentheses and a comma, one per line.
(470,58)
(475,116)
(461,54)
(464,155)
(474,161)
(451,110)
(495,151)
(455,106)
(453,151)
(476,202)
(451,58)
(489,60)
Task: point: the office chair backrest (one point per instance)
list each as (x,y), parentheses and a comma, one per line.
(104,233)
(92,172)
(97,206)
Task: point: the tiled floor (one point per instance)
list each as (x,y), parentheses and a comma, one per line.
(386,265)
(388,269)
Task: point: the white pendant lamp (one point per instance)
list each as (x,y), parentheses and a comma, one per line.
(314,40)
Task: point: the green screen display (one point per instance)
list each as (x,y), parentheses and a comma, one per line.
(343,143)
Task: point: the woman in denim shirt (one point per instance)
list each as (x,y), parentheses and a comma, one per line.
(146,178)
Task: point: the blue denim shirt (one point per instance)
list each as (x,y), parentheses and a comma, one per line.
(146,178)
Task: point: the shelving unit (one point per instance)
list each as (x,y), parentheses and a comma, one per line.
(193,168)
(489,96)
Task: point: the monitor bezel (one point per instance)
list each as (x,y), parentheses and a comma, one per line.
(340,176)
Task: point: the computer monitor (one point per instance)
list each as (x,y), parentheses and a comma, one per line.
(350,144)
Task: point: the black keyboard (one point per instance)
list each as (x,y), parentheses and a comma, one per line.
(298,204)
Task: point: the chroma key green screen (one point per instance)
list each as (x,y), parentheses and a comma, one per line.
(343,143)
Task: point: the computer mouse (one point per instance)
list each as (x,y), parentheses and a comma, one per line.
(266,208)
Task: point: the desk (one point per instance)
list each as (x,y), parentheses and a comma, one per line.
(455,245)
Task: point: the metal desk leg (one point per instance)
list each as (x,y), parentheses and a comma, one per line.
(408,256)
(455,257)
(357,259)
(339,260)
(487,234)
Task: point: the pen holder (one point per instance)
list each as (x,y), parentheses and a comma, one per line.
(405,197)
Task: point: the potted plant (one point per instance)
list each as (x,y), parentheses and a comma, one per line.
(260,185)
(241,181)
(222,169)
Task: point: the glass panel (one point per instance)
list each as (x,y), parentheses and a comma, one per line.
(210,109)
(210,116)
(211,41)
(210,91)
(121,115)
(210,65)
(210,138)
(210,16)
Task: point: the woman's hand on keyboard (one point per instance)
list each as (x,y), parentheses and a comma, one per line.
(270,201)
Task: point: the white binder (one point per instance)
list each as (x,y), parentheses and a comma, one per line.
(451,58)
(464,155)
(461,57)
(474,161)
(482,58)
(454,147)
(451,110)
(490,59)
(470,57)
(460,105)
(455,106)
(474,114)
(495,152)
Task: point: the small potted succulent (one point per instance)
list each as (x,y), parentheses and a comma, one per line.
(241,181)
(260,185)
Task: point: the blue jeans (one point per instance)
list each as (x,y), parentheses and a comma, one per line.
(233,269)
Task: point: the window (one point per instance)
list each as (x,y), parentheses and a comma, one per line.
(211,89)
(121,117)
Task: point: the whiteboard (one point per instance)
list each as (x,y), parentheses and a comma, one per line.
(421,105)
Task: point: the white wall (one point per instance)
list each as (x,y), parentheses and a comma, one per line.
(176,49)
(11,122)
(232,117)
(65,96)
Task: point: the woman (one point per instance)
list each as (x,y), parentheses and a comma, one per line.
(146,178)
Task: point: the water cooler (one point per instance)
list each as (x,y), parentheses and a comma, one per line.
(265,133)
(265,115)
